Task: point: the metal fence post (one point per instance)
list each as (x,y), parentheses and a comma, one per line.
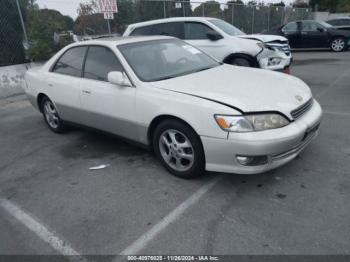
(164,10)
(253,17)
(232,11)
(268,18)
(203,9)
(22,22)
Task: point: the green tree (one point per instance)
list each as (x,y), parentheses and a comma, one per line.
(211,9)
(42,24)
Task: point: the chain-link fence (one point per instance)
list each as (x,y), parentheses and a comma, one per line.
(48,30)
(11,34)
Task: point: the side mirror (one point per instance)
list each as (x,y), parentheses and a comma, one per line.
(321,29)
(213,35)
(118,78)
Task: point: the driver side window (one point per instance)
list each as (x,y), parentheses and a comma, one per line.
(196,31)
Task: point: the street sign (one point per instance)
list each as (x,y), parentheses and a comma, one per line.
(178,5)
(108,6)
(108,15)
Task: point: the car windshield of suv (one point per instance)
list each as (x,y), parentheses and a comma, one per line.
(163,59)
(226,27)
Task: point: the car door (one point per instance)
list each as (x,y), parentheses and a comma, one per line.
(106,106)
(64,83)
(314,35)
(196,35)
(292,31)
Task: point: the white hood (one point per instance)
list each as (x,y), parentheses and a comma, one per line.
(265,38)
(247,89)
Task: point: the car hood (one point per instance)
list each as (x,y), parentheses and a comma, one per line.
(247,89)
(265,38)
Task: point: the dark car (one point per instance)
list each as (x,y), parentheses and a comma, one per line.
(313,34)
(342,23)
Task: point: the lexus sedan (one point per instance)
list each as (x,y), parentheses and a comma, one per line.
(195,113)
(313,34)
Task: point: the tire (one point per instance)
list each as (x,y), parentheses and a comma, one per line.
(338,44)
(240,61)
(179,149)
(51,117)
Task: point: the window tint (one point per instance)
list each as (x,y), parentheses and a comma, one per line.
(196,31)
(170,29)
(145,30)
(99,62)
(71,62)
(290,28)
(345,22)
(310,26)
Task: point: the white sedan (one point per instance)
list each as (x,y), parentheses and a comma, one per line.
(195,113)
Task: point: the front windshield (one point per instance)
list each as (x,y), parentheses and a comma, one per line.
(226,27)
(326,25)
(163,59)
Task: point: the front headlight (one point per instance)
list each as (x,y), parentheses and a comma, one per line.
(250,123)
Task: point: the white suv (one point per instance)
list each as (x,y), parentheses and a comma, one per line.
(221,40)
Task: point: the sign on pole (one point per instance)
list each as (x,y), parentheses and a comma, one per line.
(108,7)
(108,15)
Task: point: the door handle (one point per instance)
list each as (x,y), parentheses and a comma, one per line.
(304,33)
(50,85)
(86,91)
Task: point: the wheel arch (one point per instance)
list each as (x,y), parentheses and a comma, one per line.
(40,98)
(158,119)
(252,59)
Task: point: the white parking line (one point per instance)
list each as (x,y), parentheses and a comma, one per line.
(336,113)
(142,241)
(39,229)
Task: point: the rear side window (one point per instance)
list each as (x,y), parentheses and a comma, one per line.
(71,62)
(290,28)
(196,31)
(99,62)
(174,29)
(145,30)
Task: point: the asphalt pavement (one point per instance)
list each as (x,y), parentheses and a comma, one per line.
(51,203)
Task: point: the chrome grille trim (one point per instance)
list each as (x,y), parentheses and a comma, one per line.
(300,111)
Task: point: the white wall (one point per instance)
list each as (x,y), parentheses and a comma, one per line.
(12,79)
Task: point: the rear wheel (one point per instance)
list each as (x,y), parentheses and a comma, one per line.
(338,44)
(240,61)
(51,116)
(179,149)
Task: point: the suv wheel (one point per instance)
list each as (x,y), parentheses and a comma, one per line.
(179,149)
(240,61)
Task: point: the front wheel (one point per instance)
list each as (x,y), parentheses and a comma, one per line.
(179,149)
(240,61)
(51,116)
(338,44)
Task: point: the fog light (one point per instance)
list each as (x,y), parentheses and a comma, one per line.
(252,160)
(273,61)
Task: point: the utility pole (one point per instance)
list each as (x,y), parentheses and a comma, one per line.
(22,23)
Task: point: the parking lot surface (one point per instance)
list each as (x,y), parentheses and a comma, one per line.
(51,203)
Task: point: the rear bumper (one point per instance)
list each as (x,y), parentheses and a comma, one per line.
(279,145)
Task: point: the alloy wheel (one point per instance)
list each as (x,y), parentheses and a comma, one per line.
(51,114)
(338,45)
(176,150)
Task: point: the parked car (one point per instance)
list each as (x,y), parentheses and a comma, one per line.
(196,113)
(221,40)
(342,23)
(313,34)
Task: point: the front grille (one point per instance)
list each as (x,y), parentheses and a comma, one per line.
(300,111)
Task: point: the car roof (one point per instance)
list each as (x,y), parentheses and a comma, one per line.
(173,19)
(338,18)
(113,41)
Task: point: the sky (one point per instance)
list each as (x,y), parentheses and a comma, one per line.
(69,7)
